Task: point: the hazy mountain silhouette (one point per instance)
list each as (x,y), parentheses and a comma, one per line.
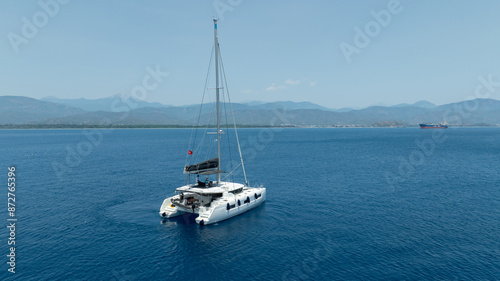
(422,103)
(104,104)
(23,110)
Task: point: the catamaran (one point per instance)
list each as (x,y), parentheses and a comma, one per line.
(217,199)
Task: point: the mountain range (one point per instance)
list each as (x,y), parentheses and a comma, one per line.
(16,110)
(103,104)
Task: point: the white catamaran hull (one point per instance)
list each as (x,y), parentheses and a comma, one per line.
(220,211)
(167,210)
(226,207)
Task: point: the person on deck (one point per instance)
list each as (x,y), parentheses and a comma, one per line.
(198,182)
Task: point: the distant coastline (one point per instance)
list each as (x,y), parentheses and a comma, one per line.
(28,113)
(73,126)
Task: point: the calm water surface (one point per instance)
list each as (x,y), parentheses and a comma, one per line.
(342,204)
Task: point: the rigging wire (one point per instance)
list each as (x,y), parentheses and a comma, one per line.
(234,122)
(232,171)
(227,126)
(195,128)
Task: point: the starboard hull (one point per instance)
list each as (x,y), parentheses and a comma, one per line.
(223,212)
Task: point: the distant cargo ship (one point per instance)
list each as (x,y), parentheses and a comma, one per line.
(433,126)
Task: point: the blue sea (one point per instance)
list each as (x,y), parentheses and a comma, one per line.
(342,204)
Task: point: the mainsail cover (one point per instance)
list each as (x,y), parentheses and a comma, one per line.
(202,167)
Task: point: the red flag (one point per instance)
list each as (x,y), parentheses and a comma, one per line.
(190,152)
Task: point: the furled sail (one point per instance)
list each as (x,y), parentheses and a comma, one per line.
(205,167)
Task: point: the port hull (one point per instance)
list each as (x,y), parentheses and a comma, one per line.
(167,210)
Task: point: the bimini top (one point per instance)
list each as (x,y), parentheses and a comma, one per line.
(208,167)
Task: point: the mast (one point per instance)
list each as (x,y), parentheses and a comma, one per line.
(217,95)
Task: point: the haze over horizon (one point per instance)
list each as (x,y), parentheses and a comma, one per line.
(49,98)
(333,53)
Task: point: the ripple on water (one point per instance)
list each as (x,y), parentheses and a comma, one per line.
(136,212)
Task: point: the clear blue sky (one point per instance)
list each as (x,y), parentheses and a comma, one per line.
(272,50)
